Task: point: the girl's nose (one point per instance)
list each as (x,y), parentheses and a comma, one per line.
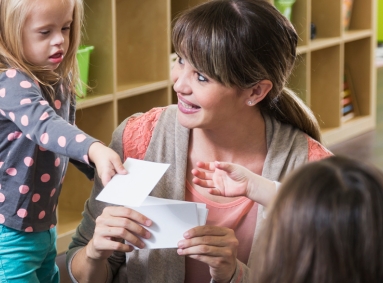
(58,39)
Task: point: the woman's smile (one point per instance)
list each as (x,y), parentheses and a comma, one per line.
(186,107)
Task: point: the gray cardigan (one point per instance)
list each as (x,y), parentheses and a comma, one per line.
(287,148)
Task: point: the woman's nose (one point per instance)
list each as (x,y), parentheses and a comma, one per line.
(181,80)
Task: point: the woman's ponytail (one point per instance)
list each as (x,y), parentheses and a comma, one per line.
(287,107)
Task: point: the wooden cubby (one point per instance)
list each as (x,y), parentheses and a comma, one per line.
(130,67)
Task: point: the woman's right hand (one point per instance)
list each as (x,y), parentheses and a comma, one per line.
(114,226)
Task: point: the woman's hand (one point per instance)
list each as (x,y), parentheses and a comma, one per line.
(232,180)
(213,245)
(107,161)
(114,226)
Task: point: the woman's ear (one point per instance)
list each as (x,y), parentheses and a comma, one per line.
(259,91)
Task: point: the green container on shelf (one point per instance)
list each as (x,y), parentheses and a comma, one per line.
(83,56)
(285,7)
(379,27)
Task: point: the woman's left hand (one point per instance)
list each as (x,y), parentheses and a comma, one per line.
(213,245)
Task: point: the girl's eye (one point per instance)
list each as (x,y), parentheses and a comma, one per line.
(201,78)
(66,28)
(44,32)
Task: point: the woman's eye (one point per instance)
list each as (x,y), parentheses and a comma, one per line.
(44,32)
(66,28)
(180,60)
(201,78)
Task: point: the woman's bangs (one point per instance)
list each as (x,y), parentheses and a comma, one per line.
(194,44)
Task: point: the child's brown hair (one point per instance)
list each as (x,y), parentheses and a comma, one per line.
(325,225)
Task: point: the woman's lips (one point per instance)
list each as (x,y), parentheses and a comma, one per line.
(186,107)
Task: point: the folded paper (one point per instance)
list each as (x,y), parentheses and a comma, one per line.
(171,218)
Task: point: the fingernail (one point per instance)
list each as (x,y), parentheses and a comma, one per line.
(180,244)
(179,251)
(186,234)
(148,222)
(147,235)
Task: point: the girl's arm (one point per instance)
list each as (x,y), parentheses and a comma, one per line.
(29,115)
(230,180)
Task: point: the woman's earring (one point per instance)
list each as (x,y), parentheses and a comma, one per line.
(249,103)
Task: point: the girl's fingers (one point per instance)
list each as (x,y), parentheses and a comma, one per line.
(214,191)
(202,174)
(117,165)
(224,166)
(210,166)
(203,183)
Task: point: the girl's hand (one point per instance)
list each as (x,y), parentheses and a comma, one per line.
(223,178)
(113,226)
(107,161)
(215,246)
(232,180)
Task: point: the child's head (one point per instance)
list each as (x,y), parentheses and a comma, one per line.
(40,36)
(325,225)
(240,43)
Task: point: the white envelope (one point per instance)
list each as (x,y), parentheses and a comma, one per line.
(171,218)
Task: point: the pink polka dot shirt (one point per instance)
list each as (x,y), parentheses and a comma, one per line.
(37,140)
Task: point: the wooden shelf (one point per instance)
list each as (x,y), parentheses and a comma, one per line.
(139,88)
(93,100)
(131,62)
(320,43)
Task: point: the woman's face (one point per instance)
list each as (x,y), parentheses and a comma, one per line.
(203,102)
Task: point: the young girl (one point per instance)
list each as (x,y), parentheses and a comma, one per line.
(38,77)
(325,225)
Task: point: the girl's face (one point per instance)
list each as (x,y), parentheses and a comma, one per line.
(46,31)
(203,102)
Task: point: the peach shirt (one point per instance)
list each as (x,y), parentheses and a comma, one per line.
(239,215)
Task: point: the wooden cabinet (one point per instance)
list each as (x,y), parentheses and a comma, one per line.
(130,66)
(324,61)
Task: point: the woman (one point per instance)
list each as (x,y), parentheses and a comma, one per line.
(234,59)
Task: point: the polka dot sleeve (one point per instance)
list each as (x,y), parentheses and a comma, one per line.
(23,105)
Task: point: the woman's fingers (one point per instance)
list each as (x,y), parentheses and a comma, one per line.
(111,212)
(115,226)
(215,246)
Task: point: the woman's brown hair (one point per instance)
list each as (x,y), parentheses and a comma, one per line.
(241,42)
(325,225)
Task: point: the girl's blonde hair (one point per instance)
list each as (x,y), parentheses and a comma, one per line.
(13,14)
(239,43)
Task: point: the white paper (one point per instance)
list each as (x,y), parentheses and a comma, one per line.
(202,211)
(170,222)
(171,218)
(133,188)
